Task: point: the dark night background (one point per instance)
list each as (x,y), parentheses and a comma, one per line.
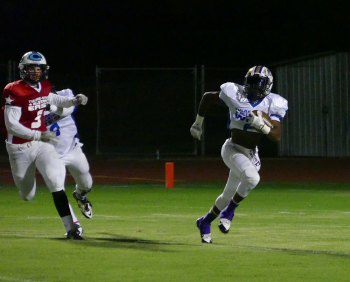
(76,36)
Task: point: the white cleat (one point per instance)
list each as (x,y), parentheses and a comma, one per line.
(206,238)
(204,229)
(224,225)
(84,205)
(76,233)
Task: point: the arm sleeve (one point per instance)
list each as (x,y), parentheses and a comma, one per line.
(13,126)
(60,101)
(63,112)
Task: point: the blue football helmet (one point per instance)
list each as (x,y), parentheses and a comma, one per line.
(258,83)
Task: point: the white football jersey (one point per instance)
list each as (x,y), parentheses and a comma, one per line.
(232,94)
(66,129)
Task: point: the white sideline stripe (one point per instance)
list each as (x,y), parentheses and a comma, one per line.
(144,216)
(171,215)
(30,217)
(41,217)
(160,215)
(5,278)
(310,212)
(23,234)
(108,216)
(287,212)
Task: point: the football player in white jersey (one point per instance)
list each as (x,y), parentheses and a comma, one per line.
(240,152)
(68,147)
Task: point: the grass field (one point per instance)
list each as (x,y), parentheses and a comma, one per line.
(147,233)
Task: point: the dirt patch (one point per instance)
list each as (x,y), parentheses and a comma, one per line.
(118,171)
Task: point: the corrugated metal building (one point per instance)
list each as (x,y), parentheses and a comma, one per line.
(318,121)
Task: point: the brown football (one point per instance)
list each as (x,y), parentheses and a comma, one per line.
(266,118)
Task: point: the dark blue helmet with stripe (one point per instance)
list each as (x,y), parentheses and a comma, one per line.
(258,82)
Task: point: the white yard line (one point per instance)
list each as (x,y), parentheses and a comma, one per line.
(12,279)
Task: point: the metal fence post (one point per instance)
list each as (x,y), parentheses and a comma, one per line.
(202,92)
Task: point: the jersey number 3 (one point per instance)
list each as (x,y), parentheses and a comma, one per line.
(37,122)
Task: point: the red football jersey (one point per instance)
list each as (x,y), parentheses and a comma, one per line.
(32,102)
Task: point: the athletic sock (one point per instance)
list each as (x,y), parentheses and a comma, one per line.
(75,219)
(67,222)
(212,214)
(62,206)
(231,206)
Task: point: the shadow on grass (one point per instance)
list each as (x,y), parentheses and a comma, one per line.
(303,252)
(124,242)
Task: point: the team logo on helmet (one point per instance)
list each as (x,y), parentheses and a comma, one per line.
(35,56)
(31,59)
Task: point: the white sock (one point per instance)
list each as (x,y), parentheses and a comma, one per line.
(67,222)
(74,217)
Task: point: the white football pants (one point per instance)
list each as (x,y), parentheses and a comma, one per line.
(78,166)
(244,165)
(25,158)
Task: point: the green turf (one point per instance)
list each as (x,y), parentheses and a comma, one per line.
(147,233)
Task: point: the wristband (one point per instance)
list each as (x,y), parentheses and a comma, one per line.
(265,129)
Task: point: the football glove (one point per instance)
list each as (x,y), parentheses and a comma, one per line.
(49,137)
(80,99)
(196,128)
(258,123)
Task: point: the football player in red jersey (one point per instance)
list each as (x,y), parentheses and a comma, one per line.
(29,143)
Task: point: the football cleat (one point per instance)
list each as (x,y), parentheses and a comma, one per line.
(224,225)
(204,229)
(84,205)
(75,233)
(225,220)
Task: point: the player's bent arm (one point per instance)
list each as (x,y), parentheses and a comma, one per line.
(66,102)
(208,99)
(62,112)
(12,116)
(275,132)
(60,101)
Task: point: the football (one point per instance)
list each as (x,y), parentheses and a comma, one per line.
(266,118)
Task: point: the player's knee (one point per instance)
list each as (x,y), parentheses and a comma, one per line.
(87,182)
(251,177)
(26,189)
(84,185)
(26,197)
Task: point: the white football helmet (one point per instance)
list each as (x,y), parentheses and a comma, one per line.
(258,82)
(30,59)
